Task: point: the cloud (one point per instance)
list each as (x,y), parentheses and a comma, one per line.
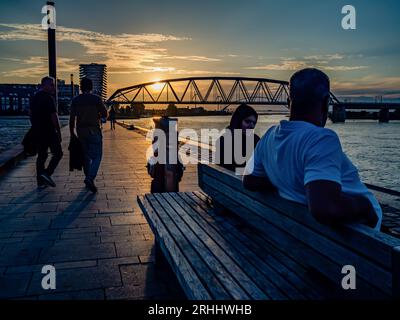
(283,66)
(316,61)
(36,66)
(326,57)
(369,86)
(194,58)
(123,53)
(206,72)
(343,68)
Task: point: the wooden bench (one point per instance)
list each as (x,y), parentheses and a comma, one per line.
(229,243)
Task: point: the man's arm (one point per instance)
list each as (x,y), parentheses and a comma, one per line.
(254,183)
(102,109)
(329,205)
(72,124)
(72,118)
(56,123)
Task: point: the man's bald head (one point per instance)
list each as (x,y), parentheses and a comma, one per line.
(48,84)
(309,93)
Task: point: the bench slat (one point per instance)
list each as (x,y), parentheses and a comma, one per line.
(230,275)
(261,258)
(261,273)
(295,272)
(371,243)
(187,277)
(287,233)
(206,265)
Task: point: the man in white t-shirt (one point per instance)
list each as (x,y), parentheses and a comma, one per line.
(305,162)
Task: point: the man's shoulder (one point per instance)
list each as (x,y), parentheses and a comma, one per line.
(95,97)
(319,139)
(268,134)
(41,95)
(319,133)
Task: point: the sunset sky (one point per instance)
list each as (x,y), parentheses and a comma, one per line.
(142,41)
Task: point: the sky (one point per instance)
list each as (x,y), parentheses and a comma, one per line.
(149,40)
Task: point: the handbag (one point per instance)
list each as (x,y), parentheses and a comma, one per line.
(30,143)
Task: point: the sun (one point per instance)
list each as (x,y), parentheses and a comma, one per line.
(158,85)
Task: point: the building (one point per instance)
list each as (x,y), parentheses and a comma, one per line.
(15,98)
(65,95)
(98,74)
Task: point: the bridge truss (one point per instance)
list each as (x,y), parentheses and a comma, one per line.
(224,91)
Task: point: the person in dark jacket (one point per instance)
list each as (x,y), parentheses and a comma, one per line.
(86,111)
(243,122)
(46,129)
(111,116)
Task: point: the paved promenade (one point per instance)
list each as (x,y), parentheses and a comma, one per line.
(100,245)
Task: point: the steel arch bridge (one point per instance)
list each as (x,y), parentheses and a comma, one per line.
(207,91)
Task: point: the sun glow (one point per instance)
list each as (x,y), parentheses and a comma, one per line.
(158,85)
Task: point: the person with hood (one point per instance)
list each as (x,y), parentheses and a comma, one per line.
(235,146)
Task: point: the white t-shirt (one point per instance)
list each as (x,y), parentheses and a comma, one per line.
(295,153)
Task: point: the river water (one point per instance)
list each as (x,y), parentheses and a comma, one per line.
(373,147)
(13,129)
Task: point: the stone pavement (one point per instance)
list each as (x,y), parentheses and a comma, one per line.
(100,245)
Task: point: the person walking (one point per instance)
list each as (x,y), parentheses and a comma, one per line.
(46,131)
(112,117)
(86,111)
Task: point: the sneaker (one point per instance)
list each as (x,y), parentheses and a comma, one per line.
(40,184)
(47,180)
(91,186)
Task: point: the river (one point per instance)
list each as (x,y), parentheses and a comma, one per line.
(373,147)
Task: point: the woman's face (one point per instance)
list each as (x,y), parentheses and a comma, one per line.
(249,123)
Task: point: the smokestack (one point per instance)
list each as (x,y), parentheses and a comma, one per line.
(51,40)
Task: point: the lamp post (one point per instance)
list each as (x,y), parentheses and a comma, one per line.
(51,43)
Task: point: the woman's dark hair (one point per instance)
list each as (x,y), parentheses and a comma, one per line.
(86,85)
(242,112)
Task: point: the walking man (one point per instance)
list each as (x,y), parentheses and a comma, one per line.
(112,117)
(46,128)
(86,110)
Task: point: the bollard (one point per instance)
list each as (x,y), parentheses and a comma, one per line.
(166,176)
(338,114)
(384,115)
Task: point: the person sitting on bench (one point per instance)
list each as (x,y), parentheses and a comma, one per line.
(237,139)
(305,162)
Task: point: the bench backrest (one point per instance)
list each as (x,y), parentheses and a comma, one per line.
(290,226)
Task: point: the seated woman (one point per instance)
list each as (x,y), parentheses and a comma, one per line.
(243,119)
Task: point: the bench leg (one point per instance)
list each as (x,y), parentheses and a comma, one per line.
(160,260)
(219,209)
(396,273)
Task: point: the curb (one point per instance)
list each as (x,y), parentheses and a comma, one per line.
(10,158)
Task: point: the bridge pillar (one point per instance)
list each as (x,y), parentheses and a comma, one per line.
(384,115)
(338,114)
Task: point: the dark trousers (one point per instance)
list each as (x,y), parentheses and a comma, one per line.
(112,124)
(92,145)
(56,155)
